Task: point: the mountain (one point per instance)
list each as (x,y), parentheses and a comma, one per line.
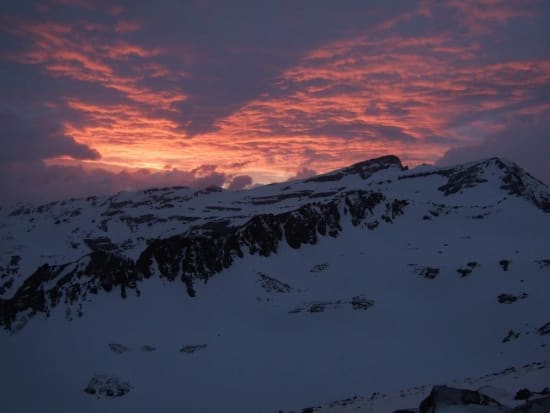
(364,281)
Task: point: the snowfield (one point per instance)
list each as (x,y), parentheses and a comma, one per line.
(357,290)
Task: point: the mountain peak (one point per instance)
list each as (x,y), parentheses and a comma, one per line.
(364,169)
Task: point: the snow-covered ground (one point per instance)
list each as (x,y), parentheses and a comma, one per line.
(455,287)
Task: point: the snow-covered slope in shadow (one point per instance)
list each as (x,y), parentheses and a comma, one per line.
(369,279)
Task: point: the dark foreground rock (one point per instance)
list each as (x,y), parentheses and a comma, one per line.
(107,386)
(444,396)
(541,405)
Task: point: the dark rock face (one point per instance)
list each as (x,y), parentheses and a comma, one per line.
(462,179)
(540,405)
(515,183)
(196,255)
(107,386)
(443,396)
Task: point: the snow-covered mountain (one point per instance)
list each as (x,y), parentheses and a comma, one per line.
(352,285)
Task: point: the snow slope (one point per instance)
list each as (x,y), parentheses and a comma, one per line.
(372,278)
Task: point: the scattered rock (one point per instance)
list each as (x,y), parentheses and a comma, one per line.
(118,348)
(545,329)
(442,397)
(193,348)
(319,267)
(511,298)
(359,302)
(505,264)
(464,271)
(271,284)
(541,405)
(147,348)
(427,272)
(107,386)
(512,335)
(523,394)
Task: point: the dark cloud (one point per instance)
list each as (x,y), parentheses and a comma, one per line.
(240,182)
(524,140)
(35,182)
(392,133)
(303,173)
(25,139)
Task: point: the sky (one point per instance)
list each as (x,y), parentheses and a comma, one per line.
(103,96)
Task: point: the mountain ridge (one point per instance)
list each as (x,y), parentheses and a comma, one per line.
(198,247)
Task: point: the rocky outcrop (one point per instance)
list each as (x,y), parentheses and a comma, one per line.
(540,405)
(359,302)
(364,169)
(102,385)
(196,255)
(514,180)
(444,396)
(189,349)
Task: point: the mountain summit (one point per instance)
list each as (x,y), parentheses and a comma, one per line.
(370,278)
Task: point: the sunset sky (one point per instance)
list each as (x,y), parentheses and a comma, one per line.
(102,96)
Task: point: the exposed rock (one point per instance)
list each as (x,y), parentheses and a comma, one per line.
(118,348)
(523,394)
(462,179)
(359,302)
(196,255)
(505,264)
(545,329)
(464,271)
(193,348)
(540,405)
(363,169)
(444,396)
(319,267)
(270,284)
(107,386)
(511,298)
(512,335)
(427,272)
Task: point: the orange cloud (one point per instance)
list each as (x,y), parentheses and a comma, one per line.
(127,26)
(345,101)
(62,53)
